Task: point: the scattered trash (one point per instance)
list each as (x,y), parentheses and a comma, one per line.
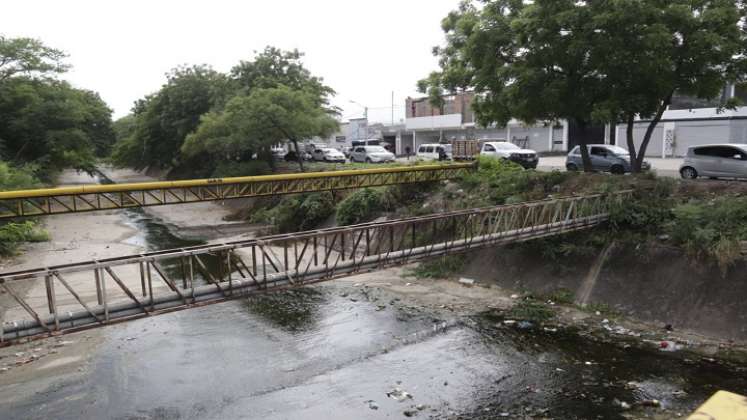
(467,282)
(380,307)
(651,403)
(515,296)
(509,322)
(669,346)
(372,405)
(621,404)
(552,330)
(605,321)
(63,343)
(398,394)
(679,394)
(420,407)
(408,284)
(4,369)
(19,354)
(410,413)
(504,414)
(131,338)
(559,370)
(524,325)
(597,313)
(669,327)
(588,363)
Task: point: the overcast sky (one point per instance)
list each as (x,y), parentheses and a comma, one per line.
(363,49)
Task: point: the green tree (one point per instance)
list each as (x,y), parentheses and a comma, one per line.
(52,124)
(527,61)
(665,47)
(589,62)
(45,121)
(274,68)
(163,120)
(28,57)
(252,123)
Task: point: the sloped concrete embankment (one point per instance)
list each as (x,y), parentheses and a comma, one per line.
(659,284)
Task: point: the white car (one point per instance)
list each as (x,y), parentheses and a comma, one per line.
(715,161)
(435,151)
(371,154)
(328,154)
(509,151)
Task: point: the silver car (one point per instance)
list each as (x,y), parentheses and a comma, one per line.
(371,154)
(715,161)
(604,157)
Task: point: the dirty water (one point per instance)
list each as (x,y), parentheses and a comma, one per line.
(340,352)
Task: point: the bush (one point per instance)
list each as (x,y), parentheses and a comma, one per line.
(530,310)
(360,206)
(17,178)
(711,228)
(440,268)
(297,213)
(13,234)
(248,168)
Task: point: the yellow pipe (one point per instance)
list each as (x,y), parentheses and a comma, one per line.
(141,186)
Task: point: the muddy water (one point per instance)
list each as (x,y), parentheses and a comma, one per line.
(336,351)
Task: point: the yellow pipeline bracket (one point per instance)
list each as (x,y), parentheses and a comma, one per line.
(722,406)
(101,197)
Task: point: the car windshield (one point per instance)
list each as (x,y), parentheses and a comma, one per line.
(376,149)
(506,146)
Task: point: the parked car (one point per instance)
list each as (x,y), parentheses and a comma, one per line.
(328,154)
(509,151)
(434,151)
(346,151)
(278,153)
(367,142)
(604,157)
(371,154)
(715,161)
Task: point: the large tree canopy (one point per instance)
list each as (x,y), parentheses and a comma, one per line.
(250,123)
(591,62)
(28,57)
(45,121)
(163,120)
(194,98)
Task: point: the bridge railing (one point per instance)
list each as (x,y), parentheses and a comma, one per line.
(52,300)
(40,202)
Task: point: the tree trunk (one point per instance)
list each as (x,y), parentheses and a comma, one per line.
(299,155)
(636,165)
(585,159)
(630,123)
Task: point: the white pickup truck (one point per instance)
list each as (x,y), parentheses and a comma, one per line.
(509,151)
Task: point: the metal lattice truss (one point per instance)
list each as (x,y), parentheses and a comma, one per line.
(54,300)
(42,202)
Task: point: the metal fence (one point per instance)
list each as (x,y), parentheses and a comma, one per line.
(54,300)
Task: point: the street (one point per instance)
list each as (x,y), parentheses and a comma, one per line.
(665,167)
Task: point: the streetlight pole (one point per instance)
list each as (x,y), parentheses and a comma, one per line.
(365,116)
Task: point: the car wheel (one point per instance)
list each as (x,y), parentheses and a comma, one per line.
(368,160)
(688,173)
(571,167)
(617,170)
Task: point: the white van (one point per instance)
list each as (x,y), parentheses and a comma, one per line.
(434,151)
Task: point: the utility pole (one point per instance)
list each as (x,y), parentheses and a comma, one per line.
(392,108)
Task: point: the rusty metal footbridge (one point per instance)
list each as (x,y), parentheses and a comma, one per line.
(66,298)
